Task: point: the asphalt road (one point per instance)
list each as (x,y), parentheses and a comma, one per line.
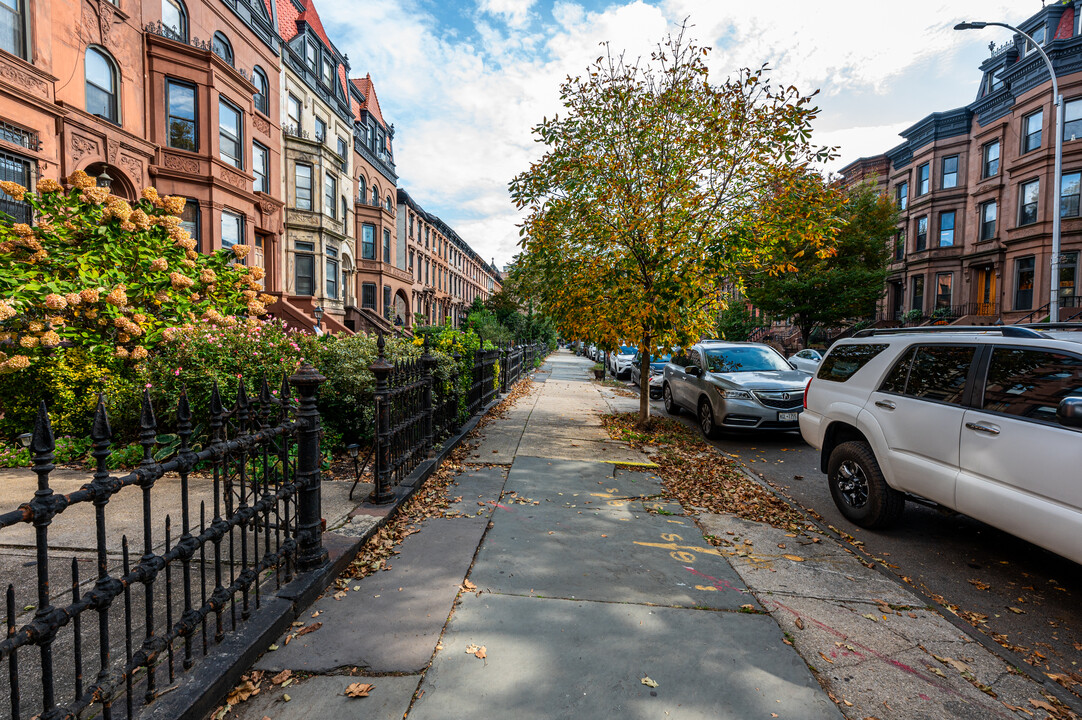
(949,557)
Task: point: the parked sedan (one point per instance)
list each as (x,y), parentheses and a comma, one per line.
(734,386)
(807,360)
(657,372)
(619,361)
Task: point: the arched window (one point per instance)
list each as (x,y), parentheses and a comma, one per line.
(101,85)
(259,79)
(375,196)
(361,189)
(389,206)
(175,19)
(221,47)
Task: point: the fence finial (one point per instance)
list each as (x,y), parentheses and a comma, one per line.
(100,431)
(42,441)
(184,413)
(380,345)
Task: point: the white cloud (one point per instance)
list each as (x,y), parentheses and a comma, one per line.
(515,13)
(463,102)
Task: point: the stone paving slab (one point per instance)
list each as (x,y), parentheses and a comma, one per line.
(392,623)
(321,697)
(609,555)
(549,446)
(498,446)
(553,659)
(827,571)
(480,490)
(577,481)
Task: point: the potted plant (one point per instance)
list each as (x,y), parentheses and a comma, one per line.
(599,371)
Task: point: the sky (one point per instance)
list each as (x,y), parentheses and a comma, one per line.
(465,81)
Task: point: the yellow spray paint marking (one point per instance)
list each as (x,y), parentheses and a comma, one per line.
(631,464)
(680,553)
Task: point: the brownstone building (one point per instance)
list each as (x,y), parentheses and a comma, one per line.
(447,273)
(975,187)
(165,93)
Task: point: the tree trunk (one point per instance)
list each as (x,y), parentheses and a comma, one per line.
(644,383)
(805,332)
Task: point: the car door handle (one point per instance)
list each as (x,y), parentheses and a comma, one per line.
(885,404)
(980,427)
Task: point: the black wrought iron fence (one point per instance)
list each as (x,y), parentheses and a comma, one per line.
(260,466)
(447,409)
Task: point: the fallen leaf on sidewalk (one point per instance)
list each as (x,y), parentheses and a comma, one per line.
(648,682)
(978,584)
(956,664)
(1017,611)
(1042,705)
(794,558)
(871,617)
(242,692)
(281,677)
(311,628)
(799,624)
(467,585)
(286,698)
(825,657)
(478,651)
(359,690)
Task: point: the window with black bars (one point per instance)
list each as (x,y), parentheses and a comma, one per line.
(18,170)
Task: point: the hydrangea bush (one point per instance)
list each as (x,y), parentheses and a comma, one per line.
(95,272)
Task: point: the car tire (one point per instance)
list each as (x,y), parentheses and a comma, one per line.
(670,405)
(859,489)
(706,420)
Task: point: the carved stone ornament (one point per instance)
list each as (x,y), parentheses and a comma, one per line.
(106,11)
(23,79)
(133,166)
(269,207)
(114,148)
(175,162)
(237,181)
(81,146)
(261,124)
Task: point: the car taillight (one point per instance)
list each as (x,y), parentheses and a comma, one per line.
(806,394)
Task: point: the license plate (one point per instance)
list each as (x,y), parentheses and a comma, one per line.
(788,417)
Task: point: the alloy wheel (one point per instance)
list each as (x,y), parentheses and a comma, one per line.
(706,419)
(852,484)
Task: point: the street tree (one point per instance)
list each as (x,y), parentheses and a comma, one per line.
(828,290)
(646,198)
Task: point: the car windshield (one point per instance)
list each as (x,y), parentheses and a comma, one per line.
(627,350)
(744,359)
(660,358)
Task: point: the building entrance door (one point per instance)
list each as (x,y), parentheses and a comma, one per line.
(986,291)
(258,257)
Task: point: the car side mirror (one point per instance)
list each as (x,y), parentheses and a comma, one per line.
(793,365)
(1069,412)
(693,370)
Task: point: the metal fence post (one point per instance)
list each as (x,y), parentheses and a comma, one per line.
(381,471)
(46,621)
(504,356)
(310,551)
(456,390)
(428,366)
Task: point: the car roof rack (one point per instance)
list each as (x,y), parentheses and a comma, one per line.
(1053,326)
(1015,331)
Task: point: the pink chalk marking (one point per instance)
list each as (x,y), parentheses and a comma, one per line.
(883,658)
(719,584)
(922,696)
(502,506)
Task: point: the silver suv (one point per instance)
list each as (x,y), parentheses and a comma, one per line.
(734,385)
(985,421)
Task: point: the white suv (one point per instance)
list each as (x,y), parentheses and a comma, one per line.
(986,421)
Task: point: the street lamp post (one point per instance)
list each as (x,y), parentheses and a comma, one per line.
(318,312)
(1057,178)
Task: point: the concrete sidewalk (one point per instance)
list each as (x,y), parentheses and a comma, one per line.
(569,587)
